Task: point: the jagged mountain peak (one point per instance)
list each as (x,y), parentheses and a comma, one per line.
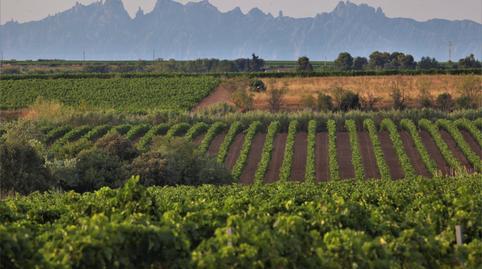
(347,9)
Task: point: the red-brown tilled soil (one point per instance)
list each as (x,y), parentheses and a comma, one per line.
(299,157)
(474,145)
(343,155)
(272,174)
(391,157)
(234,151)
(321,157)
(216,144)
(368,156)
(455,150)
(434,153)
(254,156)
(413,155)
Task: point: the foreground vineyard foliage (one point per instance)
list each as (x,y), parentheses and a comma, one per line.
(383,224)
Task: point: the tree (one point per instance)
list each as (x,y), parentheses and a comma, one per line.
(324,102)
(359,63)
(117,145)
(256,63)
(444,101)
(469,62)
(344,61)
(304,64)
(428,63)
(378,60)
(408,62)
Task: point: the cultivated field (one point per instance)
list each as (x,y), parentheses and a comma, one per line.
(321,151)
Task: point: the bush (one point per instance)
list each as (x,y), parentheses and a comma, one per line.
(151,167)
(465,102)
(349,100)
(242,99)
(324,102)
(22,170)
(95,169)
(308,102)
(398,99)
(257,85)
(117,145)
(444,101)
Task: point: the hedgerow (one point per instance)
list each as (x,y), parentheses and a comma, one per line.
(310,172)
(471,128)
(355,150)
(417,140)
(266,153)
(433,130)
(228,140)
(461,143)
(332,156)
(369,125)
(285,170)
(245,149)
(397,142)
(214,130)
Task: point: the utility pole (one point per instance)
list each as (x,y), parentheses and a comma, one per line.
(450,51)
(83,56)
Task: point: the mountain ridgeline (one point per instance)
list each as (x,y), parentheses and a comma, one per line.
(104,30)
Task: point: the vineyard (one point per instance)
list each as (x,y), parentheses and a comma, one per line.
(365,224)
(122,94)
(320,151)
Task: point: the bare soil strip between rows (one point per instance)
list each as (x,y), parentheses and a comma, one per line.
(474,145)
(254,156)
(344,156)
(434,153)
(234,151)
(391,156)
(272,175)
(216,144)
(413,155)
(198,139)
(368,156)
(299,157)
(321,157)
(455,150)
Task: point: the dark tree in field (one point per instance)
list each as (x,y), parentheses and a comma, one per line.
(378,60)
(428,63)
(344,61)
(359,63)
(469,62)
(304,65)
(444,102)
(256,64)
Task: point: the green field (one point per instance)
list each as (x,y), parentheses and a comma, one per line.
(131,94)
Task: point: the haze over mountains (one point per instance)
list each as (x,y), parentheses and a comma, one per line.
(104,30)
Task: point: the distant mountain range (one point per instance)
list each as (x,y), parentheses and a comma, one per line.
(104,30)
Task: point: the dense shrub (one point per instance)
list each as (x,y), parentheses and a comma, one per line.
(117,145)
(257,85)
(151,167)
(444,101)
(22,170)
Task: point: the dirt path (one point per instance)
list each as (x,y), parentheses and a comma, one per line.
(299,157)
(434,153)
(254,156)
(343,155)
(216,144)
(456,151)
(413,155)
(234,151)
(198,139)
(321,157)
(222,94)
(391,157)
(272,175)
(474,145)
(368,156)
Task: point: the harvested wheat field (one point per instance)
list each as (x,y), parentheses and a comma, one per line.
(365,86)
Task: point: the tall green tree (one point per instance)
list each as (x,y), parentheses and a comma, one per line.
(304,64)
(344,61)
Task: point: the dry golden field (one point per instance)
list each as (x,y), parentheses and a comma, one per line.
(378,86)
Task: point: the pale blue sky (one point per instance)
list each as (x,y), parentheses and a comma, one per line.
(26,10)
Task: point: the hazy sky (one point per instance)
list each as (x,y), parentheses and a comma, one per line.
(26,10)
